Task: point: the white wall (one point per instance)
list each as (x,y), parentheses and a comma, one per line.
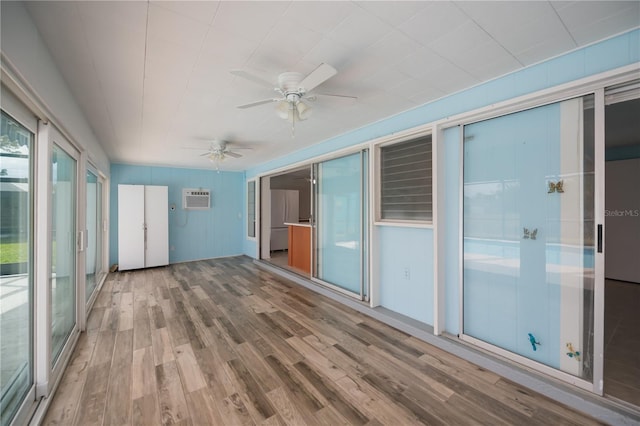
(622,220)
(25,54)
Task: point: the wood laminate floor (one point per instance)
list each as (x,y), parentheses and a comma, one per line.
(222,342)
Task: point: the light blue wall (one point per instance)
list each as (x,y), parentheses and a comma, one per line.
(193,234)
(250,248)
(607,55)
(407,249)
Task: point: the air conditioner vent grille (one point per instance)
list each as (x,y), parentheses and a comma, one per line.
(196,199)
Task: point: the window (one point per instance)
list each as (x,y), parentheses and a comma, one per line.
(405,181)
(251,208)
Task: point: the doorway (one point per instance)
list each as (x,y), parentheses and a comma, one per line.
(314,222)
(622,244)
(285,199)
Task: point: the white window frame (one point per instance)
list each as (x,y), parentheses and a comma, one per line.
(102,274)
(253,181)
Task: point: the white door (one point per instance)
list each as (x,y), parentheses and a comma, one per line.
(156,200)
(131,227)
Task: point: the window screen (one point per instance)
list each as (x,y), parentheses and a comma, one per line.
(405,170)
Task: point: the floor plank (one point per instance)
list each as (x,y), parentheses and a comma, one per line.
(173,406)
(118,406)
(222,342)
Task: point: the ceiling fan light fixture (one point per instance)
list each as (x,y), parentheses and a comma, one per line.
(291,116)
(304,111)
(283,110)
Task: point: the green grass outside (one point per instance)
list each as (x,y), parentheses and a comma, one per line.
(14,252)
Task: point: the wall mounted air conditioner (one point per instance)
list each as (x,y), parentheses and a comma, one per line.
(196,199)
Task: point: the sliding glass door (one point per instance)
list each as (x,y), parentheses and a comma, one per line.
(62,278)
(93,236)
(340,223)
(529,244)
(16,266)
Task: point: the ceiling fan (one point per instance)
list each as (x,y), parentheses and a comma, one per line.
(294,89)
(219,150)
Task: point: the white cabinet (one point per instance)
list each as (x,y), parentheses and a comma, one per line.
(143,226)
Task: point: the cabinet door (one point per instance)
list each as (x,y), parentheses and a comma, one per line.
(156,200)
(130,227)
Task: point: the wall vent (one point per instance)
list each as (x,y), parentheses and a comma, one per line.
(196,199)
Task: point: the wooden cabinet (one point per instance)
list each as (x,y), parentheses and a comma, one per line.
(300,247)
(143,226)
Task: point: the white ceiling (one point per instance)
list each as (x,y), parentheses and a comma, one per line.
(153,78)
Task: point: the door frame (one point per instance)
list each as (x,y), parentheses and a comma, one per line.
(263,208)
(601,94)
(101,228)
(46,374)
(364,155)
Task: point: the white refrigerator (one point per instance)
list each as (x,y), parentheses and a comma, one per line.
(284,209)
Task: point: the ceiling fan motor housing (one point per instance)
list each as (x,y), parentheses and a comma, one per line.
(289,82)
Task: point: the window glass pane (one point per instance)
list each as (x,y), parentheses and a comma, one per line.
(339,225)
(16,293)
(92,227)
(63,250)
(99,233)
(405,177)
(528,240)
(251,208)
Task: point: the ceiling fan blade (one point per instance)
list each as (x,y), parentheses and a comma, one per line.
(318,76)
(335,96)
(232,154)
(206,154)
(252,77)
(256,103)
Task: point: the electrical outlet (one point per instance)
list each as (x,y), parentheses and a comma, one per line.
(406,273)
